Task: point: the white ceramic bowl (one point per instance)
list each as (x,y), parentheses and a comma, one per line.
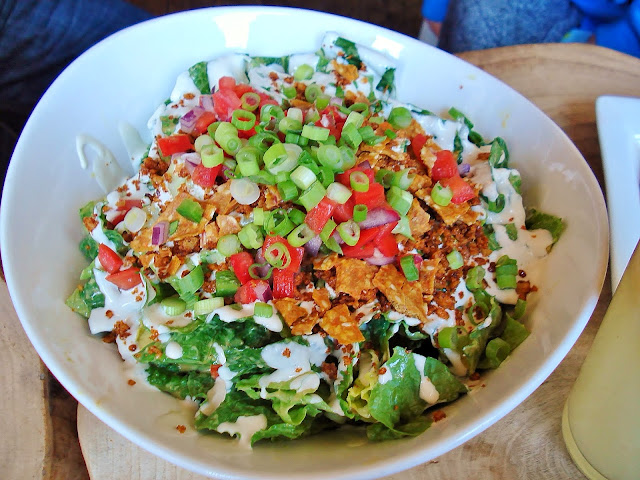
(124,78)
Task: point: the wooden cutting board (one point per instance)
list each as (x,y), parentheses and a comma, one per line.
(38,439)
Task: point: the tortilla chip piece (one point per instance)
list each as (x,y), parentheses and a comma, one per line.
(418,219)
(405,296)
(209,238)
(321,297)
(326,263)
(428,269)
(347,71)
(354,276)
(186,228)
(451,213)
(420,182)
(341,325)
(222,199)
(290,310)
(305,325)
(227,225)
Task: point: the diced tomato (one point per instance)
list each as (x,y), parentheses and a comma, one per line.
(384,230)
(178,143)
(358,252)
(226,83)
(345,178)
(267,100)
(319,215)
(387,245)
(126,205)
(247,133)
(203,121)
(240,262)
(461,190)
(297,253)
(445,166)
(417,143)
(109,259)
(283,285)
(242,88)
(126,279)
(245,294)
(344,212)
(225,101)
(372,198)
(367,235)
(204,176)
(332,119)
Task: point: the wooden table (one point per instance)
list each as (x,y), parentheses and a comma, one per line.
(38,417)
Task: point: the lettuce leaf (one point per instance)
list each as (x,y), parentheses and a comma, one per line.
(200,77)
(170,379)
(86,297)
(537,219)
(447,384)
(359,394)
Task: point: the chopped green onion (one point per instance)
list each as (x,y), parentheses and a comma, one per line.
(403,178)
(409,268)
(312,92)
(497,351)
(400,117)
(376,120)
(227,283)
(506,271)
(191,282)
(349,231)
(251,236)
(322,101)
(173,226)
(229,244)
(447,337)
(348,157)
(263,140)
(264,178)
(263,310)
(288,190)
(201,141)
(295,114)
(258,216)
(270,111)
(297,139)
(190,209)
(512,231)
(211,129)
(278,255)
(366,132)
(343,109)
(360,213)
(455,259)
(330,156)
(208,305)
(303,72)
(290,92)
(359,181)
(312,116)
(351,136)
(296,216)
(354,118)
(227,137)
(390,133)
(300,235)
(283,177)
(173,306)
(255,276)
(275,156)
(243,119)
(250,101)
(278,223)
(248,158)
(313,132)
(375,140)
(474,278)
(338,193)
(303,177)
(519,309)
(384,177)
(328,229)
(360,107)
(211,155)
(441,195)
(403,227)
(326,176)
(312,195)
(290,125)
(400,200)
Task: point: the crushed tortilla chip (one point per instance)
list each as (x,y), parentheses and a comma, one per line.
(347,71)
(341,325)
(222,199)
(290,310)
(354,276)
(428,269)
(420,182)
(305,325)
(209,238)
(227,225)
(405,296)
(186,228)
(321,297)
(418,219)
(449,214)
(326,263)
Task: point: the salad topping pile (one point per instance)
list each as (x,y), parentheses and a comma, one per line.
(298,250)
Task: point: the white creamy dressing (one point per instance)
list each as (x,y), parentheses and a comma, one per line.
(290,360)
(457,366)
(135,146)
(245,427)
(394,316)
(230,314)
(106,169)
(98,232)
(233,65)
(173,350)
(367,310)
(215,396)
(428,391)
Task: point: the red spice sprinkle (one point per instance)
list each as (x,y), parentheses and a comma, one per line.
(382,371)
(181,428)
(439,415)
(109,313)
(131,382)
(298,370)
(286,353)
(133,347)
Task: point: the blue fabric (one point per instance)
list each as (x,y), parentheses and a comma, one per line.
(435,10)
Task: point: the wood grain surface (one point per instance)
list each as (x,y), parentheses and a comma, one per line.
(38,417)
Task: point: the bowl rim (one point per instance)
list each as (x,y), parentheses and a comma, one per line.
(411,457)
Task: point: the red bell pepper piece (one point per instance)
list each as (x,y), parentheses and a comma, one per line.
(319,215)
(240,262)
(178,143)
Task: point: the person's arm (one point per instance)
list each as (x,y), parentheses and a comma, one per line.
(434,11)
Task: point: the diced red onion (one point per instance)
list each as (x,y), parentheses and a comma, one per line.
(324,121)
(364,164)
(264,270)
(336,236)
(378,217)
(226,171)
(335,101)
(191,161)
(379,259)
(313,246)
(206,103)
(189,119)
(417,259)
(263,292)
(159,233)
(463,169)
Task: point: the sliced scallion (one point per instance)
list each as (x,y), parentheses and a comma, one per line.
(455,259)
(303,177)
(263,310)
(208,305)
(229,244)
(300,235)
(349,231)
(441,195)
(173,306)
(360,213)
(338,193)
(359,181)
(400,200)
(312,195)
(408,265)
